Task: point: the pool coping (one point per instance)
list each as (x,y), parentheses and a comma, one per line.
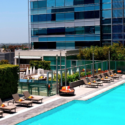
(53,103)
(87,97)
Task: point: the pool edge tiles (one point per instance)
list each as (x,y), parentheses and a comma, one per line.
(101,91)
(49,112)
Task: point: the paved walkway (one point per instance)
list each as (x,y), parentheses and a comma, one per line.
(49,103)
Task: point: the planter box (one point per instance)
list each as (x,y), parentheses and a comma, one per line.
(76,83)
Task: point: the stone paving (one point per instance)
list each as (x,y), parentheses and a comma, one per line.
(49,103)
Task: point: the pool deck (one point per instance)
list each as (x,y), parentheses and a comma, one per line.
(81,93)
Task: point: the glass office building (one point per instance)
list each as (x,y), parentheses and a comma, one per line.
(72,24)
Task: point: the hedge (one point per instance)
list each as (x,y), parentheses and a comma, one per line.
(8,80)
(4,62)
(40,64)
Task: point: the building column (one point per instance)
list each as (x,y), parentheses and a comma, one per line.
(15,61)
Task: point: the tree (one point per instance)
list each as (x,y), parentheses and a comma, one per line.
(117,52)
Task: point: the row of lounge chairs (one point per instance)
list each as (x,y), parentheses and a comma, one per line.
(27,101)
(101,78)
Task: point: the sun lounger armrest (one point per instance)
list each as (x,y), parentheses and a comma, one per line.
(10,101)
(98,79)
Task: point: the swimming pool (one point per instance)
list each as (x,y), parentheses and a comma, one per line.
(105,109)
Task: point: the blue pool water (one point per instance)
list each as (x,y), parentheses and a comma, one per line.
(105,109)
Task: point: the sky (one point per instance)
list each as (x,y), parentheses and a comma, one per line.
(13,21)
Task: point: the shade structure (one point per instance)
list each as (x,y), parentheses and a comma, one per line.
(34,70)
(27,71)
(31,72)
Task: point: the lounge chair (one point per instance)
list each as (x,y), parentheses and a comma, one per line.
(24,102)
(98,82)
(35,98)
(115,77)
(91,84)
(7,108)
(111,79)
(111,72)
(105,80)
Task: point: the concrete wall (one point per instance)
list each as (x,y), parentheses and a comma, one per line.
(39,52)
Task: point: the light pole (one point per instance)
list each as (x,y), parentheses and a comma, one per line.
(109,61)
(93,64)
(56,74)
(65,72)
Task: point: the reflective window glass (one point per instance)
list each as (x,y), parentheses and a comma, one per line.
(69,30)
(97,29)
(106,29)
(106,43)
(89,30)
(70,39)
(124,28)
(97,1)
(49,11)
(106,6)
(79,15)
(79,30)
(69,16)
(117,13)
(106,21)
(70,45)
(51,39)
(106,36)
(31,5)
(42,39)
(59,3)
(106,14)
(117,36)
(88,1)
(117,20)
(68,2)
(106,1)
(60,17)
(97,7)
(38,4)
(42,17)
(116,0)
(51,3)
(60,45)
(80,38)
(51,17)
(91,14)
(77,9)
(34,5)
(42,4)
(35,18)
(117,28)
(32,18)
(88,8)
(60,38)
(43,31)
(97,37)
(90,37)
(78,2)
(118,5)
(34,32)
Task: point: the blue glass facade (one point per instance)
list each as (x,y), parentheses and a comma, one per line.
(71,24)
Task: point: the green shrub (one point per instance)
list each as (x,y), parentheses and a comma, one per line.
(8,80)
(4,62)
(117,52)
(40,64)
